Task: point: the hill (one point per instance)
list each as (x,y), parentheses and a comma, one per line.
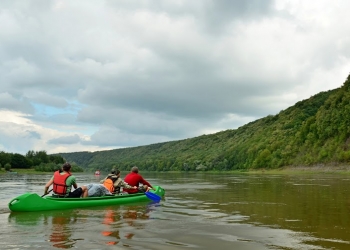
(313,131)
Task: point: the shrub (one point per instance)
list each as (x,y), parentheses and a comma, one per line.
(7,167)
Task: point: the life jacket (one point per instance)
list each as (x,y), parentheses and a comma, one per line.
(59,183)
(109,184)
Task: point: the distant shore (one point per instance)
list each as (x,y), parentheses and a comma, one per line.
(326,169)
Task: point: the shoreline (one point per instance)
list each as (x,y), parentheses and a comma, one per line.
(316,169)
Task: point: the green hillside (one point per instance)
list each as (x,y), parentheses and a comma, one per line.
(313,131)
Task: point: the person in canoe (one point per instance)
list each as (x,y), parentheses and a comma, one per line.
(95,190)
(135,179)
(62,181)
(114,183)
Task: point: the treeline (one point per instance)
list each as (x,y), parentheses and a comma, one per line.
(313,131)
(39,160)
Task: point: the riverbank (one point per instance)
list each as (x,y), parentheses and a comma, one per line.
(321,169)
(21,171)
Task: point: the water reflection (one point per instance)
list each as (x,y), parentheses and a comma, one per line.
(57,224)
(127,220)
(63,229)
(200,211)
(109,219)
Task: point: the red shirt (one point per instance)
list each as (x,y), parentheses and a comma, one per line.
(134,179)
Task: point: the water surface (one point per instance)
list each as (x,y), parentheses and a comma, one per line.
(200,211)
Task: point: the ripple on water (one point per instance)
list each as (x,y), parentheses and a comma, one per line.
(196,213)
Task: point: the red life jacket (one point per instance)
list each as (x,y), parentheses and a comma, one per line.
(59,183)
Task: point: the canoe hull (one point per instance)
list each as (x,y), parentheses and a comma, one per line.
(30,202)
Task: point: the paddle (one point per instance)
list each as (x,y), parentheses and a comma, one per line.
(47,193)
(153,196)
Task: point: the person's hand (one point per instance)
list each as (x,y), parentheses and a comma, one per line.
(134,187)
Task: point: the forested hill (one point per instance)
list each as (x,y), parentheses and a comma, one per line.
(313,131)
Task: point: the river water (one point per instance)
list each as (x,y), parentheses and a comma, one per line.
(199,211)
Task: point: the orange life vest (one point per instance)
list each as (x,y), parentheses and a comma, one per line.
(59,183)
(109,184)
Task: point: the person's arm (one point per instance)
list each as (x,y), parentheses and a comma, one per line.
(144,182)
(47,185)
(118,183)
(126,185)
(73,181)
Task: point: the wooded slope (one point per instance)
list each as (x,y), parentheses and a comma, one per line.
(313,131)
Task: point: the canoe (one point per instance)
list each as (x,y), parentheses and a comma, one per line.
(30,202)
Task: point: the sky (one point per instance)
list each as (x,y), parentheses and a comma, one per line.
(89,75)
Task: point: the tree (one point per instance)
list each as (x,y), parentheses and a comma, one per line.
(19,161)
(4,158)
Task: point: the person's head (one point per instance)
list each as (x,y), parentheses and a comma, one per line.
(66,167)
(135,169)
(115,171)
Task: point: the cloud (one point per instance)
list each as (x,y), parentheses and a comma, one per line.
(94,75)
(33,134)
(9,102)
(72,139)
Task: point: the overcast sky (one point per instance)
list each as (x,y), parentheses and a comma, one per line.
(97,75)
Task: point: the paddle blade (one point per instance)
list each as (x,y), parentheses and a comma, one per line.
(153,196)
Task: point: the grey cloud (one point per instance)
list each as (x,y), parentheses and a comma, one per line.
(48,99)
(17,142)
(152,71)
(109,136)
(216,11)
(72,139)
(34,134)
(218,14)
(201,97)
(9,102)
(55,120)
(138,123)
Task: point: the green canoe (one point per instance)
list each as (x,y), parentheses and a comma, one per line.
(29,202)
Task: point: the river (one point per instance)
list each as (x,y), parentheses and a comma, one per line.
(199,211)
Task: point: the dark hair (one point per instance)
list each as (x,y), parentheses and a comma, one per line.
(66,166)
(135,169)
(116,172)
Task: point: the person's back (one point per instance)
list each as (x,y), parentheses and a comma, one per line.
(135,179)
(111,181)
(114,183)
(62,182)
(109,184)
